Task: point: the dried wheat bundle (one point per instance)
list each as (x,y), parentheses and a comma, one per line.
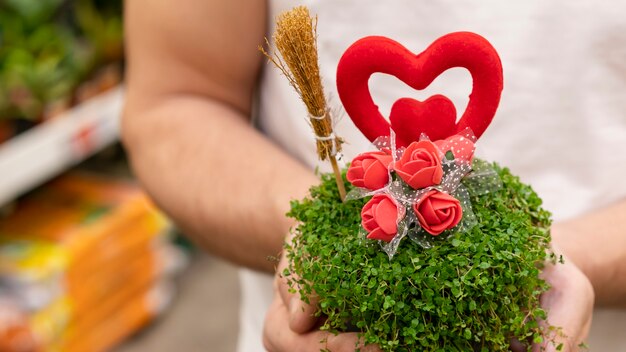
(296,42)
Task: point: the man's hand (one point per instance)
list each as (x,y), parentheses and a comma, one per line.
(291,325)
(187,126)
(569,304)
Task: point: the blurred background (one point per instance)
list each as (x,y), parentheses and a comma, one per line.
(86,261)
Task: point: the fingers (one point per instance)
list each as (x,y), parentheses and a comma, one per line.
(517,346)
(278,337)
(301,315)
(289,322)
(569,304)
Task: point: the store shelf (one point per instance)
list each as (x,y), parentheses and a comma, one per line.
(45,151)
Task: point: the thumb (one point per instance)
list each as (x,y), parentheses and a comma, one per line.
(301,314)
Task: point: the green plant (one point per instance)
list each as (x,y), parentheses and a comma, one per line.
(101,25)
(40,67)
(470,291)
(48,47)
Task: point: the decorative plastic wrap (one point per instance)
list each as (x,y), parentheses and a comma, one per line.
(462,178)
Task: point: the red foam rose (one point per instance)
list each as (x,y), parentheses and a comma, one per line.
(370,170)
(461,147)
(420,165)
(437,211)
(379,218)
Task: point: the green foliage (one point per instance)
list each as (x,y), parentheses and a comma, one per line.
(469,292)
(48,47)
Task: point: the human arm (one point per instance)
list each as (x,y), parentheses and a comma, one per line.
(192,69)
(596,242)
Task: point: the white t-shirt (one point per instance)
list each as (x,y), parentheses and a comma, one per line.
(561,124)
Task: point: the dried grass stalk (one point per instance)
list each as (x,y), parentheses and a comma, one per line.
(296,41)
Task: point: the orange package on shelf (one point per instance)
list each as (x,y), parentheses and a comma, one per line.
(122,323)
(77,210)
(139,282)
(87,281)
(120,277)
(87,242)
(99,255)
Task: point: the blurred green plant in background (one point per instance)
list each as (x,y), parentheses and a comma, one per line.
(49,47)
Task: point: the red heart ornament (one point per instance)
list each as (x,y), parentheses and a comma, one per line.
(436,116)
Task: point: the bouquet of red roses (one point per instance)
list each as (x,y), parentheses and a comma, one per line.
(418,190)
